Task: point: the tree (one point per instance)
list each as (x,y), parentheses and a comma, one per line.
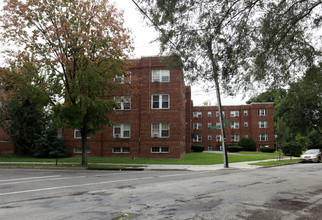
(79,46)
(234,43)
(273,95)
(248,144)
(302,107)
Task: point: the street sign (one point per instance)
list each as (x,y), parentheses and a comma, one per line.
(227,122)
(215,127)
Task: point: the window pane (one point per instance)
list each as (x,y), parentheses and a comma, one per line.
(165,133)
(165,101)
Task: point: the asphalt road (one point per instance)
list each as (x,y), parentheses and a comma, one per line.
(285,192)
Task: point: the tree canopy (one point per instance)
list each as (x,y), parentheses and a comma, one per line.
(78,47)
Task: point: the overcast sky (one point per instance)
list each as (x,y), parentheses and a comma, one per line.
(145,45)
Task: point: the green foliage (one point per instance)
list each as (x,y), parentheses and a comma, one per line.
(247,144)
(274,95)
(302,107)
(268,149)
(314,140)
(292,149)
(234,148)
(197,148)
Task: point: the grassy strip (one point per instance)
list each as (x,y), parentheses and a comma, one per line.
(276,162)
(67,165)
(188,159)
(259,153)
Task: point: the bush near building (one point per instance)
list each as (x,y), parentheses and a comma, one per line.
(197,148)
(234,148)
(268,149)
(248,144)
(292,149)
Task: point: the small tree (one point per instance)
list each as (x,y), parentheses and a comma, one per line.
(248,144)
(292,149)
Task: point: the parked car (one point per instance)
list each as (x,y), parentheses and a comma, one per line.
(313,155)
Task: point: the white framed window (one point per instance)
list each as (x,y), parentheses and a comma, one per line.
(78,150)
(262,124)
(209,124)
(264,145)
(234,114)
(245,124)
(160,149)
(120,150)
(160,75)
(209,147)
(262,137)
(245,112)
(124,102)
(77,134)
(122,130)
(197,114)
(245,135)
(234,125)
(160,101)
(218,137)
(217,114)
(262,112)
(197,126)
(234,137)
(209,137)
(125,78)
(160,130)
(198,138)
(217,123)
(209,114)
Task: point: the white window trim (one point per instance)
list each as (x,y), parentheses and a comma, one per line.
(122,150)
(245,112)
(125,78)
(121,100)
(121,135)
(234,125)
(160,150)
(262,112)
(78,150)
(262,124)
(236,137)
(75,137)
(197,126)
(198,139)
(209,124)
(234,114)
(263,137)
(160,73)
(209,137)
(218,137)
(209,114)
(159,134)
(246,124)
(217,114)
(197,114)
(160,101)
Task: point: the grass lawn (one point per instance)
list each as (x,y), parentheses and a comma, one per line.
(276,162)
(21,164)
(188,159)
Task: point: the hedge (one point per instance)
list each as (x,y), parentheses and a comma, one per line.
(248,144)
(268,149)
(292,149)
(197,148)
(234,148)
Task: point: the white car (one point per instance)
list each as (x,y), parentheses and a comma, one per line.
(313,155)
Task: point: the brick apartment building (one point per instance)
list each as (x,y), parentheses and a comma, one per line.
(243,121)
(157,119)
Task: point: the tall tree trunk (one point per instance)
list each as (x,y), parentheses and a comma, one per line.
(222,128)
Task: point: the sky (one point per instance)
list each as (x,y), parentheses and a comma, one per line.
(145,45)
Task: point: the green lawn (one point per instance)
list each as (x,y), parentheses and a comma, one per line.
(276,162)
(188,159)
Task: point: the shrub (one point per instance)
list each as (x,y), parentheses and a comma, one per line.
(268,149)
(234,148)
(248,144)
(197,148)
(292,149)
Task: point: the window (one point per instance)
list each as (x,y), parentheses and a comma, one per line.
(234,125)
(245,135)
(160,130)
(77,134)
(197,114)
(198,138)
(209,114)
(262,112)
(234,137)
(245,112)
(209,137)
(264,145)
(217,114)
(124,102)
(234,114)
(121,150)
(245,124)
(209,147)
(209,124)
(160,75)
(218,137)
(197,126)
(262,124)
(125,78)
(78,150)
(121,130)
(263,137)
(160,149)
(160,101)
